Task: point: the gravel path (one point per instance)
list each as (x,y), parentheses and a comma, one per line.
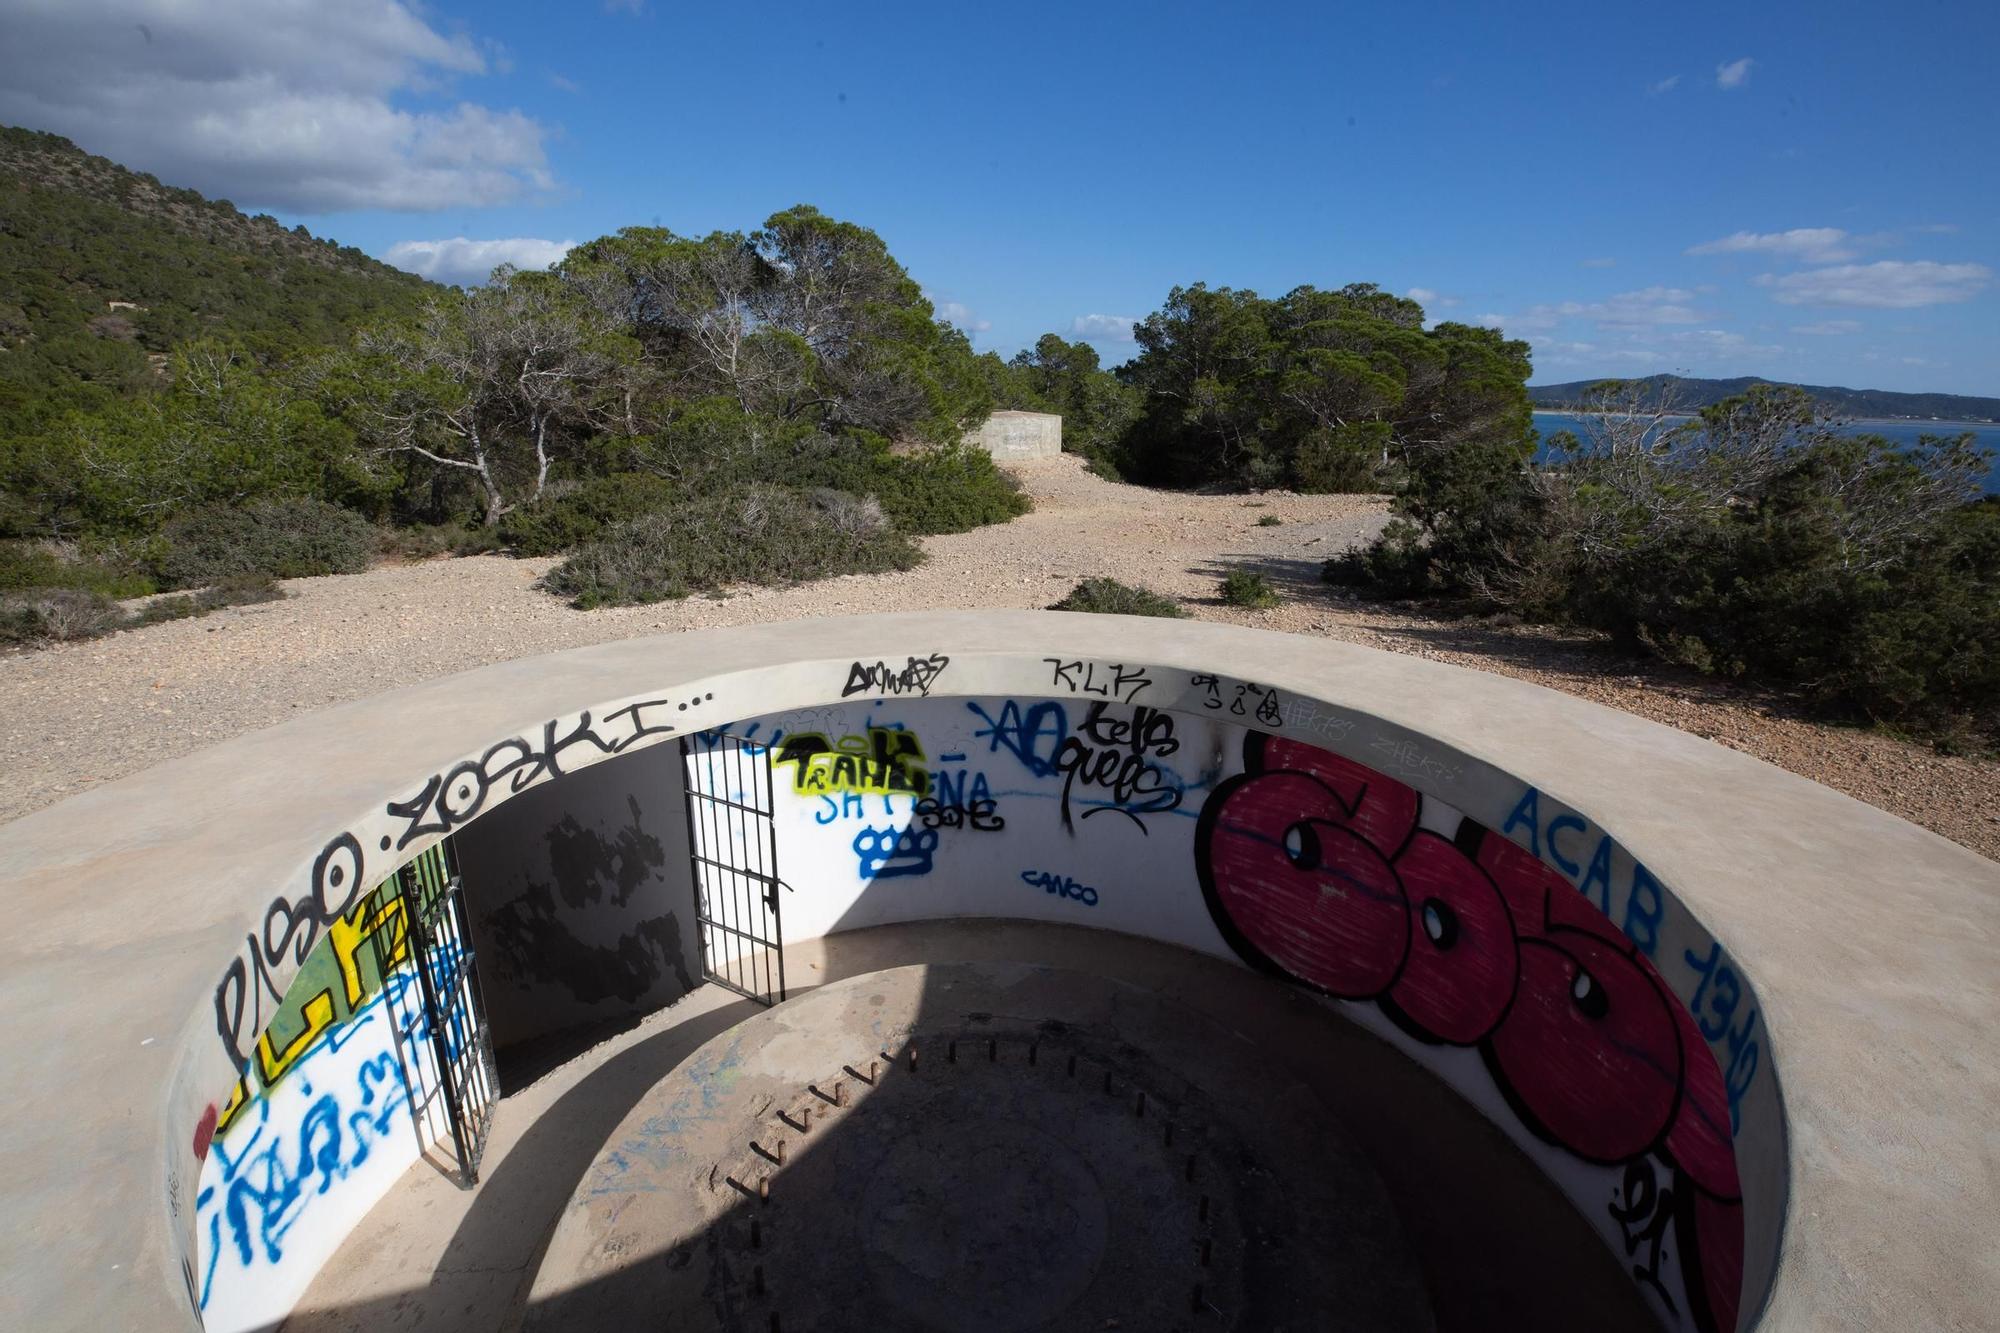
(81,714)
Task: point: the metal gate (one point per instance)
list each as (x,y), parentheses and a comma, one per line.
(455,1014)
(733,847)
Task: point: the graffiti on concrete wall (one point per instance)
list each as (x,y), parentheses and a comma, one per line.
(916,676)
(885,761)
(361,945)
(1532,943)
(340,1121)
(1323,871)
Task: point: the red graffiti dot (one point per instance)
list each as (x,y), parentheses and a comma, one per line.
(204,1133)
(1380,809)
(1589,1053)
(1459,974)
(1311,896)
(1700,1140)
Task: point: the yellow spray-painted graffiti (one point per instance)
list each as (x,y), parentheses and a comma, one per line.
(887,761)
(364,945)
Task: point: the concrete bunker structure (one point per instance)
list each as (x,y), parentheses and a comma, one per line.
(1013,436)
(1500,999)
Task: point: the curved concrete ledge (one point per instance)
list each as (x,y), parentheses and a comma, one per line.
(1874,945)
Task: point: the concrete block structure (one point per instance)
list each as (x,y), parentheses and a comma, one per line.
(1019,437)
(991,941)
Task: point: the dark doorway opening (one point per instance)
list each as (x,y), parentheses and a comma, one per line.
(580,908)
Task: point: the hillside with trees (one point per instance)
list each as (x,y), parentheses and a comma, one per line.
(676,414)
(189,396)
(1853,404)
(104,271)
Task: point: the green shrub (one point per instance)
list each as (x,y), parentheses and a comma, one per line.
(1252,591)
(36,616)
(1344,460)
(944,488)
(1109,597)
(47,564)
(428,541)
(1269,521)
(1756,542)
(569,518)
(235,590)
(712,448)
(766,535)
(285,539)
(1396,564)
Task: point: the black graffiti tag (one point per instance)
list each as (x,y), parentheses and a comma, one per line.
(880,678)
(288,926)
(1266,710)
(447,800)
(1106,680)
(1116,755)
(451,798)
(978,813)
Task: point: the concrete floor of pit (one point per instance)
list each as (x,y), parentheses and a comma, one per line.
(1315,1178)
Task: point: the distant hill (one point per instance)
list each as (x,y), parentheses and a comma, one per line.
(103,270)
(1857,404)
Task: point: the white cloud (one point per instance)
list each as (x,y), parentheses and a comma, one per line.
(295,105)
(1734,74)
(564,85)
(1648,308)
(1429,297)
(960,315)
(468,262)
(1814,245)
(1829,328)
(1112,328)
(1888,284)
(1665,85)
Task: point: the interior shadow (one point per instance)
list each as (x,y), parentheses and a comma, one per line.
(1023,1174)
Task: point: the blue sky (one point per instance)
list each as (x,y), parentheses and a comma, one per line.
(1798,191)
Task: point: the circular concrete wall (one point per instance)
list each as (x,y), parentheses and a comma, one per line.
(204,887)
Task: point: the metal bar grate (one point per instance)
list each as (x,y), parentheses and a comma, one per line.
(733,852)
(454,1009)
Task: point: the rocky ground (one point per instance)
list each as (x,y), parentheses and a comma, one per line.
(80,714)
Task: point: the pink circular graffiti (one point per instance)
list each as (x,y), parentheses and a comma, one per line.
(1315,868)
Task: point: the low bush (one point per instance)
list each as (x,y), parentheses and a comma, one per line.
(568,518)
(1251,591)
(35,616)
(236,590)
(1345,460)
(1756,541)
(946,488)
(1395,564)
(285,539)
(713,449)
(1109,597)
(428,541)
(767,535)
(50,564)
(1269,521)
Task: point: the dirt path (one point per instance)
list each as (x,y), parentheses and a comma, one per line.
(81,714)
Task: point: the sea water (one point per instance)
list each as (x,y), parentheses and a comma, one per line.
(1985,434)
